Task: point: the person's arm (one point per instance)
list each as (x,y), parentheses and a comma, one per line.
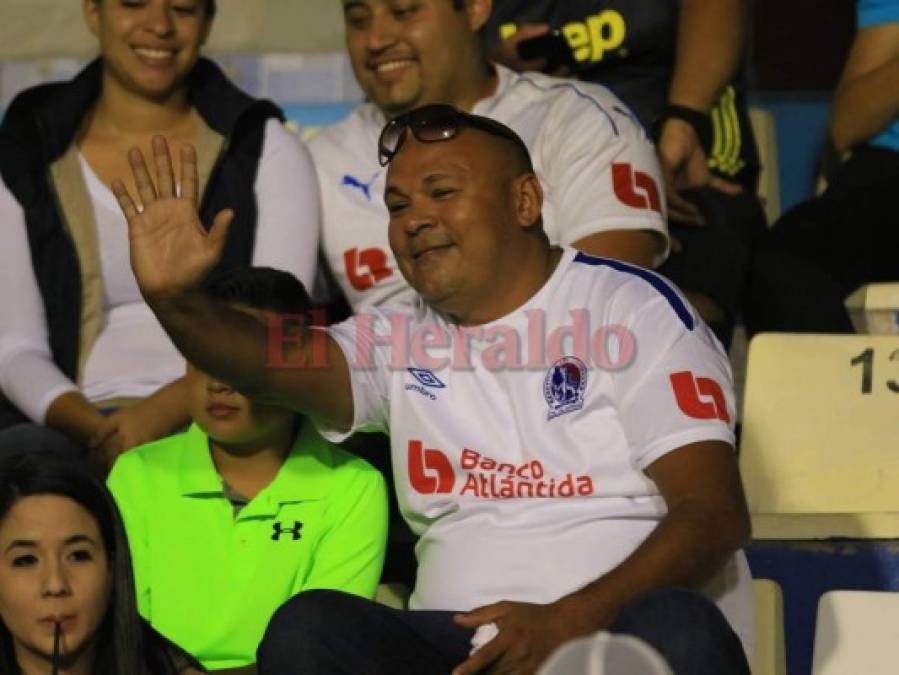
(867,97)
(77,418)
(171,254)
(162,413)
(288,209)
(707,521)
(350,556)
(602,177)
(640,247)
(28,376)
(710,41)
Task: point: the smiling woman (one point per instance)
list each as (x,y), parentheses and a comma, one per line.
(83,362)
(65,566)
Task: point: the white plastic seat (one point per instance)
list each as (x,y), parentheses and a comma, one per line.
(395,595)
(820,433)
(769,655)
(874,308)
(605,654)
(765,131)
(857,633)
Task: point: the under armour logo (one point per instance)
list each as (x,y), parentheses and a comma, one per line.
(295,531)
(627,182)
(432,460)
(687,391)
(356,262)
(353,182)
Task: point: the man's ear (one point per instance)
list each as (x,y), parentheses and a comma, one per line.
(91,11)
(528,199)
(478,13)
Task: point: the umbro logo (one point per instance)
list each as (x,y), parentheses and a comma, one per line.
(426,381)
(427,378)
(295,531)
(362,186)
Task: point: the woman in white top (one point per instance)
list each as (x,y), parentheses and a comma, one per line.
(82,359)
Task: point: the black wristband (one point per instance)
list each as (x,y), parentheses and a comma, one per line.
(700,121)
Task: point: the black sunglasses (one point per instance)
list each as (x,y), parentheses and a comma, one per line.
(435,123)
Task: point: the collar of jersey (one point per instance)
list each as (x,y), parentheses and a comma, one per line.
(486,105)
(306,475)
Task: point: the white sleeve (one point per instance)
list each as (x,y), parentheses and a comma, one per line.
(365,340)
(602,168)
(288,207)
(678,388)
(28,376)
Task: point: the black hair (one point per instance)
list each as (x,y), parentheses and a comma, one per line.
(520,155)
(124,643)
(260,288)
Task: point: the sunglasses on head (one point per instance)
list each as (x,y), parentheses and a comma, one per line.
(435,123)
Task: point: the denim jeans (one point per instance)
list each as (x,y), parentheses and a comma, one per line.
(328,632)
(30,437)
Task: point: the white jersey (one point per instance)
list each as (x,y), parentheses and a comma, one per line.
(519,447)
(598,170)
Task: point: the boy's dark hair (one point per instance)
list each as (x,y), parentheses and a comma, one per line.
(261,288)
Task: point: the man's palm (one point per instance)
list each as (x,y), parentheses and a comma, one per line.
(171,251)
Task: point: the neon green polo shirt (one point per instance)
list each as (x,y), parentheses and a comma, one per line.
(210,582)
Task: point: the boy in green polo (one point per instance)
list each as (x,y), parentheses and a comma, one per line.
(248,507)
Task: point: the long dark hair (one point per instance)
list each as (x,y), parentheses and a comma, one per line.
(124,643)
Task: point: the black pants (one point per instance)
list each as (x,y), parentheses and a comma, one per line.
(333,633)
(825,248)
(715,260)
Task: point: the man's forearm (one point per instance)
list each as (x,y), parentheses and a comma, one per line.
(865,106)
(217,339)
(710,40)
(309,375)
(687,548)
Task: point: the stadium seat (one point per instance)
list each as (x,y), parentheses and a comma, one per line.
(874,308)
(819,438)
(857,632)
(393,595)
(605,654)
(764,129)
(769,655)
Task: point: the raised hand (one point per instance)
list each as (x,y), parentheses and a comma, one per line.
(171,251)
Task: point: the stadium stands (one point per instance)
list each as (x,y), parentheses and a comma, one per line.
(819,466)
